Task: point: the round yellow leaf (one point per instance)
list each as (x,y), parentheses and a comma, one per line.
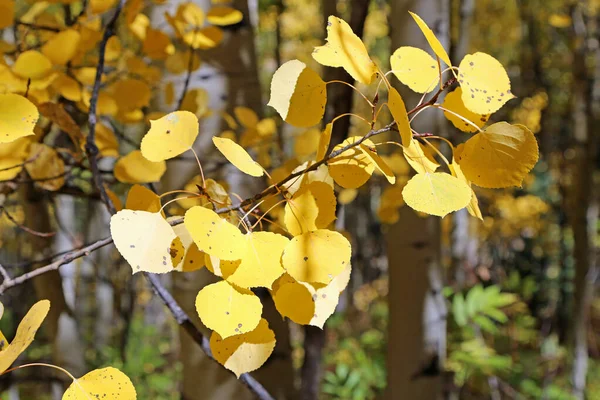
(205,38)
(298,94)
(18,117)
(453,102)
(140,198)
(485,83)
(301,212)
(61,48)
(261,265)
(67,87)
(32,64)
(104,383)
(246,116)
(347,196)
(47,168)
(25,334)
(246,352)
(436,193)
(419,157)
(170,136)
(144,240)
(223,16)
(221,268)
(345,49)
(194,259)
(316,256)
(325,201)
(135,168)
(235,154)
(227,310)
(12,156)
(304,304)
(214,235)
(415,68)
(352,168)
(500,156)
(131,94)
(433,41)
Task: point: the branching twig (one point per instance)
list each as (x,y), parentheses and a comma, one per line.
(90,147)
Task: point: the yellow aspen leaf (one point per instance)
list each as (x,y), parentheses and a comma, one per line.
(500,156)
(140,198)
(25,334)
(379,163)
(114,198)
(103,383)
(420,158)
(246,352)
(342,280)
(298,94)
(347,196)
(214,235)
(18,117)
(170,136)
(473,207)
(205,38)
(352,168)
(101,6)
(56,113)
(228,310)
(345,49)
(433,41)
(47,168)
(131,94)
(193,260)
(61,48)
(246,116)
(235,154)
(436,193)
(7,13)
(400,115)
(316,256)
(139,25)
(485,83)
(196,102)
(224,16)
(392,197)
(177,252)
(135,168)
(144,240)
(106,140)
(325,201)
(388,215)
(304,304)
(113,49)
(261,265)
(179,62)
(191,14)
(301,213)
(157,44)
(453,102)
(12,157)
(415,68)
(266,127)
(306,143)
(324,141)
(321,174)
(221,268)
(32,64)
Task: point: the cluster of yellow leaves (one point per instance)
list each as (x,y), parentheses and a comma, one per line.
(497,156)
(302,261)
(100,383)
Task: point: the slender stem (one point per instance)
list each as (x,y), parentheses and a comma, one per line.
(350,115)
(353,87)
(468,121)
(199,166)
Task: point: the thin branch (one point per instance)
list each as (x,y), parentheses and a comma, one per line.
(65,259)
(188,77)
(38,27)
(91,148)
(23,227)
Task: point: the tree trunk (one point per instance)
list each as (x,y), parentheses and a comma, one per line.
(417,316)
(583,201)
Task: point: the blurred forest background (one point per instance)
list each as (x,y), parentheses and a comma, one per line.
(458,308)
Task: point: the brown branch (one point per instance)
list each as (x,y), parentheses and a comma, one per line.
(90,147)
(23,227)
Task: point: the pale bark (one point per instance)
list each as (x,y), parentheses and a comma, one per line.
(417,325)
